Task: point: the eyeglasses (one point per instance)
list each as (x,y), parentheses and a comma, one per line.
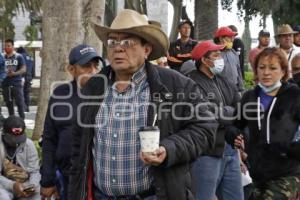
(126,43)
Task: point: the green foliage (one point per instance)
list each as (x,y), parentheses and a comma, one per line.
(31,33)
(246,37)
(36,143)
(283,11)
(249,82)
(287,12)
(8,8)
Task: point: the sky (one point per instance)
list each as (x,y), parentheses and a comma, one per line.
(227,18)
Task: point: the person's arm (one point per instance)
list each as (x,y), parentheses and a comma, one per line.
(234,130)
(227,113)
(33,163)
(294,147)
(197,134)
(50,140)
(6,183)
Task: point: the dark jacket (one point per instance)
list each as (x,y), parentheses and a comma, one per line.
(295,79)
(184,140)
(62,108)
(239,47)
(280,157)
(179,53)
(224,97)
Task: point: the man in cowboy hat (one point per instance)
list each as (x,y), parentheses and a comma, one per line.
(128,96)
(180,50)
(285,38)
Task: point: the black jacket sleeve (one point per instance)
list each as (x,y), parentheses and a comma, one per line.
(198,134)
(50,140)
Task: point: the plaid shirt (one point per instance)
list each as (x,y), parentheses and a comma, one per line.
(118,167)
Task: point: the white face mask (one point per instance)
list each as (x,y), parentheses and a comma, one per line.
(269,89)
(218,66)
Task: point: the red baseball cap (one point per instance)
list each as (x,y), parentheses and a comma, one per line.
(224,31)
(203,47)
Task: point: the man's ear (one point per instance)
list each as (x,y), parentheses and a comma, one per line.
(70,69)
(148,49)
(203,60)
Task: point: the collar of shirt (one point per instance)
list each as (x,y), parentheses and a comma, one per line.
(138,77)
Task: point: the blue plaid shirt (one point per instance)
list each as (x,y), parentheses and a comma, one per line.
(117,165)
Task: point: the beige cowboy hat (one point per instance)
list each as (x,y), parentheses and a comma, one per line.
(285,29)
(130,21)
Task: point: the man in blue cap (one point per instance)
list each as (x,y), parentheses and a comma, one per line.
(62,109)
(297,36)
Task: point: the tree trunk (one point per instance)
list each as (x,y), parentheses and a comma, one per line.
(137,5)
(177,7)
(206,18)
(246,37)
(62,30)
(93,11)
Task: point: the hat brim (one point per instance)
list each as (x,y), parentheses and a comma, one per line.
(216,48)
(152,34)
(226,35)
(292,32)
(86,59)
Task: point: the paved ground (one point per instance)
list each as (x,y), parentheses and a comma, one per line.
(29,117)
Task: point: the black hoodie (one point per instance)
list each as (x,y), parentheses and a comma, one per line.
(271,149)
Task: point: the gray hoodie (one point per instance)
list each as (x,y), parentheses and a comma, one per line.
(27,158)
(232,70)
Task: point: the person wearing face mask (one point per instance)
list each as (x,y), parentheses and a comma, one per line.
(217,172)
(271,111)
(61,114)
(12,85)
(232,70)
(19,163)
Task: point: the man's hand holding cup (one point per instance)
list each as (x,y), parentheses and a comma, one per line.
(151,152)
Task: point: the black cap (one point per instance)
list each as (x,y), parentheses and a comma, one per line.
(14,127)
(264,32)
(297,28)
(185,22)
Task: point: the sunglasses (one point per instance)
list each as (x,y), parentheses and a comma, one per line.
(126,43)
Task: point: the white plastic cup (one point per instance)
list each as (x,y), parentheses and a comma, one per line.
(149,137)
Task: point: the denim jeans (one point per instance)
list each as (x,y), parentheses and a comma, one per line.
(221,177)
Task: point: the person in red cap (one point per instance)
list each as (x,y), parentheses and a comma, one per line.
(232,70)
(222,163)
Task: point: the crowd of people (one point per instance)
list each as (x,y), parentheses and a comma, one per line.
(217,141)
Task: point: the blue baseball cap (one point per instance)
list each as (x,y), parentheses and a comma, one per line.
(297,28)
(82,54)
